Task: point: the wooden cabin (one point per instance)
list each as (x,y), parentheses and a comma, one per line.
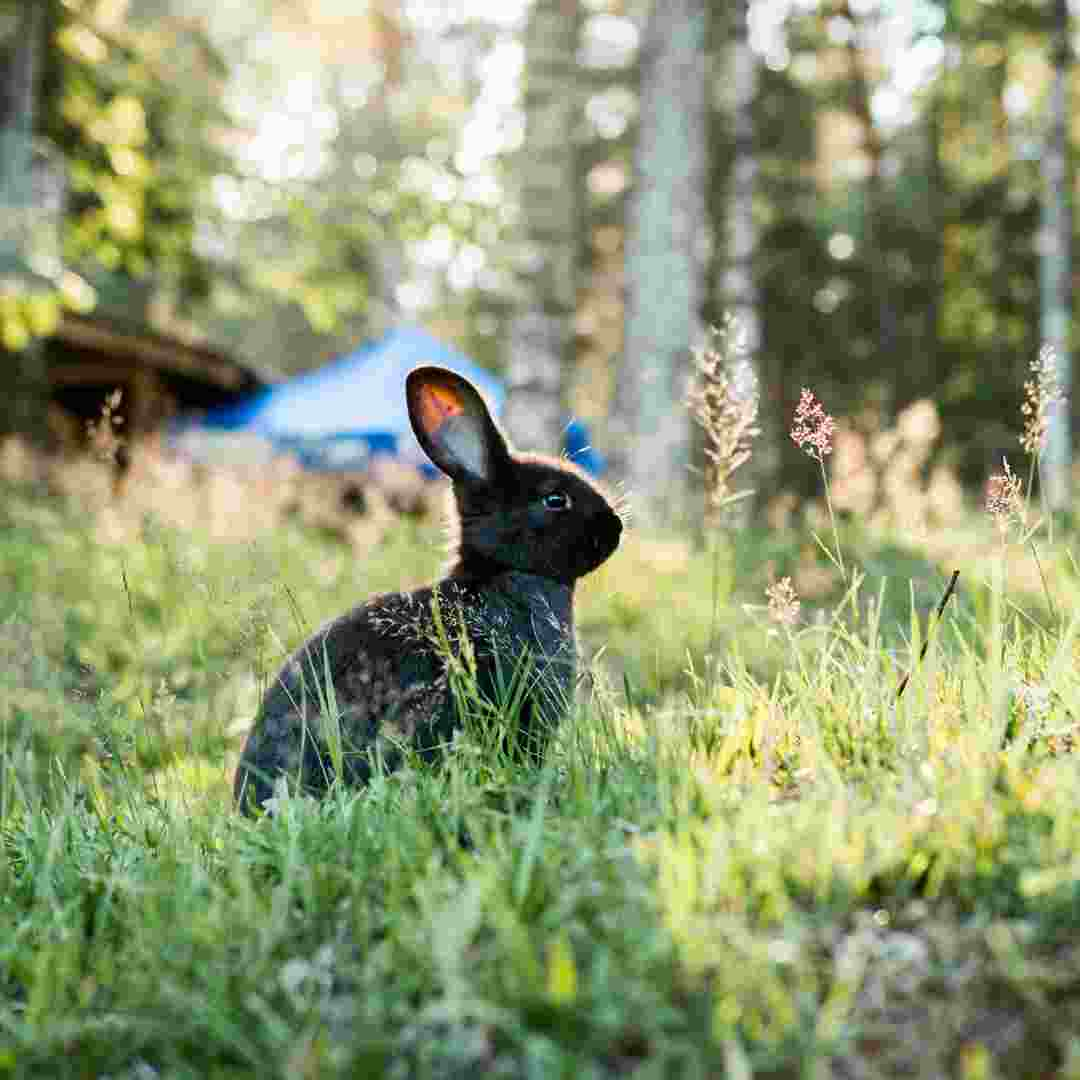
(91,356)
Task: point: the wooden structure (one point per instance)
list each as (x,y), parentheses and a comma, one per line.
(91,356)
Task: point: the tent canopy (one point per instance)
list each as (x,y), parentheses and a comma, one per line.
(344,413)
(340,416)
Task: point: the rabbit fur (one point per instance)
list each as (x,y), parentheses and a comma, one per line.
(527,528)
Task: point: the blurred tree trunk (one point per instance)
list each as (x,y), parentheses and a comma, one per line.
(873,231)
(937,204)
(738,290)
(1056,239)
(21,61)
(390,40)
(665,280)
(23,378)
(935,249)
(540,336)
(1001,168)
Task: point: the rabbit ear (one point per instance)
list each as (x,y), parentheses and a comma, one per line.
(454,426)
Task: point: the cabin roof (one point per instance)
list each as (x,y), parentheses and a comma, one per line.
(94,348)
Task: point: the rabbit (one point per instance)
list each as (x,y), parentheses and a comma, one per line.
(527,527)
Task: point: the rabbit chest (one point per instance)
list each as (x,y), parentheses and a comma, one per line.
(521,630)
(524,619)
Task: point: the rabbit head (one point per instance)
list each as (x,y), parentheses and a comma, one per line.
(521,512)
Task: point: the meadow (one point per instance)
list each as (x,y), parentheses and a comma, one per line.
(745,856)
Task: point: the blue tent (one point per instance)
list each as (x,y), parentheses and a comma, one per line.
(352,409)
(341,415)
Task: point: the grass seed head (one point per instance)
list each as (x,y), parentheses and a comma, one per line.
(723,398)
(1042,393)
(1004,498)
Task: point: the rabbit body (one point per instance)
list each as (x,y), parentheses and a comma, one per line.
(528,528)
(390,682)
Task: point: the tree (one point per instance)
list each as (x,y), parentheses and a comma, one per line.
(18,92)
(738,291)
(540,335)
(132,93)
(860,88)
(131,99)
(667,227)
(22,408)
(1055,276)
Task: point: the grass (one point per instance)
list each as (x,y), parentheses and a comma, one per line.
(744,856)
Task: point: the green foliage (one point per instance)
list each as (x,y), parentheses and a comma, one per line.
(772,874)
(135,106)
(26,314)
(131,107)
(939,295)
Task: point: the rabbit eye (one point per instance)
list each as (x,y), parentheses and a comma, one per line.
(557,500)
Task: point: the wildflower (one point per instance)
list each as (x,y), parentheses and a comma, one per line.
(1042,393)
(784,602)
(812,429)
(723,399)
(1004,497)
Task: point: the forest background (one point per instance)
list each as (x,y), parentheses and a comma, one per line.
(869,187)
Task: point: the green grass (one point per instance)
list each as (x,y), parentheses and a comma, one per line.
(743,857)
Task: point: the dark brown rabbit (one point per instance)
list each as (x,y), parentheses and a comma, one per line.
(527,528)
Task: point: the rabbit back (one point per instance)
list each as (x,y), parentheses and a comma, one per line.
(363,669)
